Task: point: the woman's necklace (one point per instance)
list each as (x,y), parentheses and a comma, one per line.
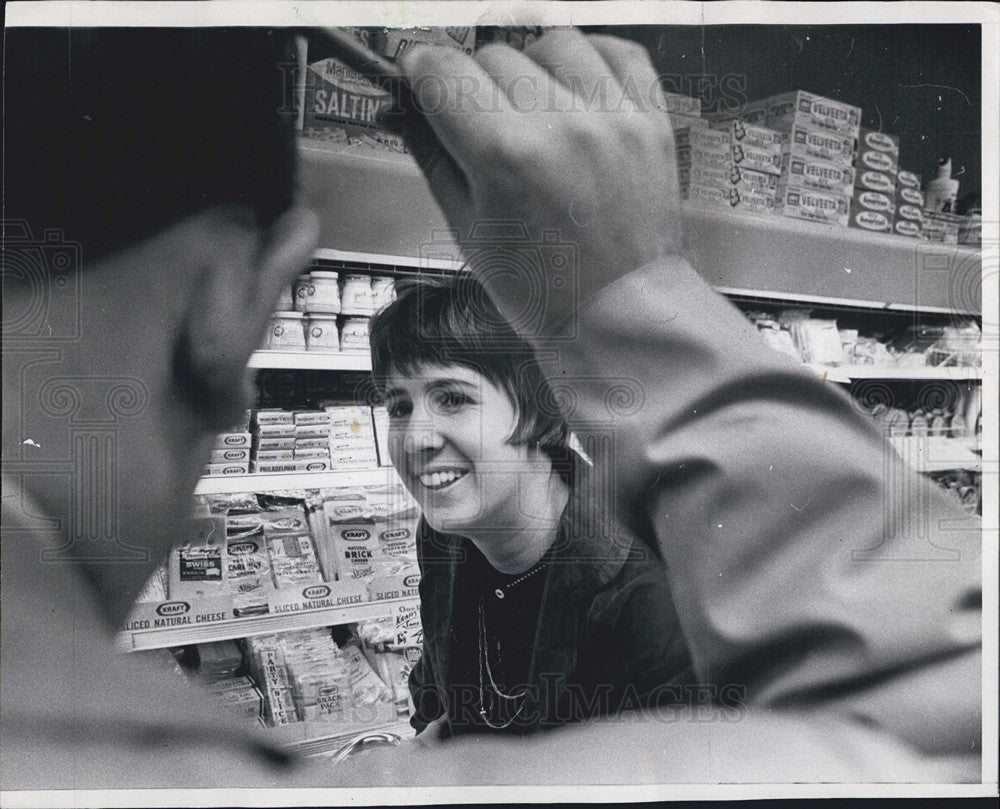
(484,658)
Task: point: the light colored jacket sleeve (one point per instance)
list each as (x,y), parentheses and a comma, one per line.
(809,566)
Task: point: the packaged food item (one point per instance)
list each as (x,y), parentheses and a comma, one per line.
(286,299)
(767,159)
(814,206)
(354,335)
(866,219)
(392,41)
(155,588)
(754,112)
(873,201)
(197,563)
(303,289)
(878,151)
(383,291)
(287,332)
(312,453)
(218,660)
(293,466)
(310,417)
(355,546)
(324,289)
(817,173)
(235,455)
(741,132)
(906,195)
(809,142)
(748,180)
(380,422)
(249,579)
(678,104)
(226,468)
(907,179)
(910,212)
(293,558)
(230,440)
(801,107)
(677,121)
(356,295)
(702,138)
(275,443)
(907,227)
(870,180)
(275,455)
(941,227)
(688,156)
(283,429)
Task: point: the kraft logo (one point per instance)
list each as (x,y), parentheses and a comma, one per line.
(243,547)
(173,608)
(411,581)
(316,591)
(396,533)
(356,534)
(234,440)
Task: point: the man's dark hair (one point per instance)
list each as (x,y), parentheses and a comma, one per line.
(452,321)
(113,134)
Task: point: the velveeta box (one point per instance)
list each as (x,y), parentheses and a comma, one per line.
(802,107)
(702,138)
(706,195)
(755,112)
(690,156)
(716,176)
(806,142)
(817,173)
(678,121)
(873,201)
(871,180)
(865,219)
(729,197)
(757,158)
(878,151)
(748,180)
(814,206)
(742,132)
(678,104)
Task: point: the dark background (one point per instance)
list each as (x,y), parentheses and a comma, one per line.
(921,82)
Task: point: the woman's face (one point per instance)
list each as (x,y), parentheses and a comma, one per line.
(448,439)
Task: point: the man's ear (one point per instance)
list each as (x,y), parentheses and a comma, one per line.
(244,271)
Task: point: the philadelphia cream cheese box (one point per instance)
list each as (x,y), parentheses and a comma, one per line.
(231,455)
(814,206)
(802,107)
(215,469)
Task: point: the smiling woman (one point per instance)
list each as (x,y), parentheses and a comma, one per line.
(537,608)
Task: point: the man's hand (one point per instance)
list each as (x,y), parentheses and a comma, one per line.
(569,136)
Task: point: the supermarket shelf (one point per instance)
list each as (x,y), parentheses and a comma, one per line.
(231,628)
(392,213)
(319,739)
(316,360)
(846,373)
(231,484)
(939,454)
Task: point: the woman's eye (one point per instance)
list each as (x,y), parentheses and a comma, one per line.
(399,410)
(449,400)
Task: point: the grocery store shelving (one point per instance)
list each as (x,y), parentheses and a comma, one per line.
(846,373)
(325,738)
(232,484)
(311,360)
(939,453)
(153,637)
(393,213)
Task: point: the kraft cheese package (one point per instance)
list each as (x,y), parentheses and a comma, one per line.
(729,197)
(873,201)
(871,180)
(817,173)
(805,141)
(814,206)
(248,574)
(197,563)
(867,219)
(740,132)
(802,107)
(908,228)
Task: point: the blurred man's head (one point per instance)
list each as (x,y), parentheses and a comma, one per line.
(166,158)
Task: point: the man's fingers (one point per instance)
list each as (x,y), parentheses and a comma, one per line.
(455,94)
(579,67)
(631,66)
(528,86)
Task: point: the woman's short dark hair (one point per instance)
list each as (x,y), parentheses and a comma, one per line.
(452,321)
